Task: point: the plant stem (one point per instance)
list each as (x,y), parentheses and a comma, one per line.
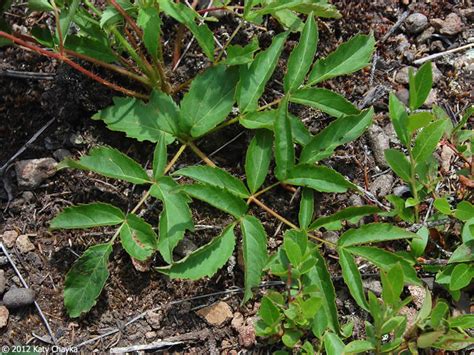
(58,27)
(268,188)
(222,51)
(127,18)
(201,154)
(73,64)
(175,158)
(413,181)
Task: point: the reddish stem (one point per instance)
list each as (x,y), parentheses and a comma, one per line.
(74,65)
(127,18)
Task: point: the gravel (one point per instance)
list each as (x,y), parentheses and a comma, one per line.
(18,297)
(415,23)
(31,173)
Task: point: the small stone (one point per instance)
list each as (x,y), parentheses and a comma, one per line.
(76,140)
(446,155)
(185,247)
(247,336)
(16,280)
(379,143)
(416,22)
(24,245)
(61,154)
(154,319)
(3,316)
(468,13)
(332,237)
(382,185)
(216,314)
(356,200)
(238,321)
(431,99)
(403,95)
(18,297)
(32,172)
(402,75)
(411,314)
(402,191)
(437,75)
(425,35)
(451,25)
(28,196)
(391,134)
(418,293)
(3,260)
(9,238)
(403,43)
(373,285)
(150,335)
(3,282)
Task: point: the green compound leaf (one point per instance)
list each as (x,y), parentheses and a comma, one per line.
(306,211)
(206,260)
(461,276)
(398,163)
(109,162)
(254,247)
(175,218)
(209,100)
(138,238)
(324,100)
(143,121)
(185,15)
(86,279)
(257,160)
(340,131)
(238,55)
(427,140)
(215,177)
(348,213)
(218,198)
(392,285)
(352,278)
(302,56)
(254,78)
(318,178)
(87,216)
(420,85)
(150,22)
(349,57)
(284,149)
(373,233)
(385,260)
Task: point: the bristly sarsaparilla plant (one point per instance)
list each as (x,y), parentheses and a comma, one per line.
(126,37)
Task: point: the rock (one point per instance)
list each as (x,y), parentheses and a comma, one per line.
(24,245)
(154,319)
(403,95)
(247,336)
(185,247)
(28,196)
(332,237)
(9,238)
(356,200)
(379,143)
(391,134)
(31,173)
(431,99)
(411,314)
(373,285)
(403,43)
(3,282)
(382,185)
(3,316)
(216,314)
(3,260)
(402,75)
(238,321)
(18,297)
(150,335)
(468,13)
(76,140)
(418,293)
(425,35)
(416,22)
(61,154)
(446,155)
(402,191)
(450,26)
(437,75)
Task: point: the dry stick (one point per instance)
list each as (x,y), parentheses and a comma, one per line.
(397,24)
(72,64)
(25,285)
(441,54)
(26,75)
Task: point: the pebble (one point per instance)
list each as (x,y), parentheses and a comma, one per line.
(247,336)
(9,238)
(431,99)
(450,26)
(446,155)
(382,185)
(402,76)
(76,140)
(379,142)
(332,237)
(150,335)
(403,43)
(411,314)
(418,293)
(356,200)
(18,297)
(216,314)
(3,282)
(28,196)
(3,316)
(32,172)
(373,285)
(403,95)
(185,247)
(154,319)
(3,260)
(61,154)
(24,245)
(416,22)
(425,35)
